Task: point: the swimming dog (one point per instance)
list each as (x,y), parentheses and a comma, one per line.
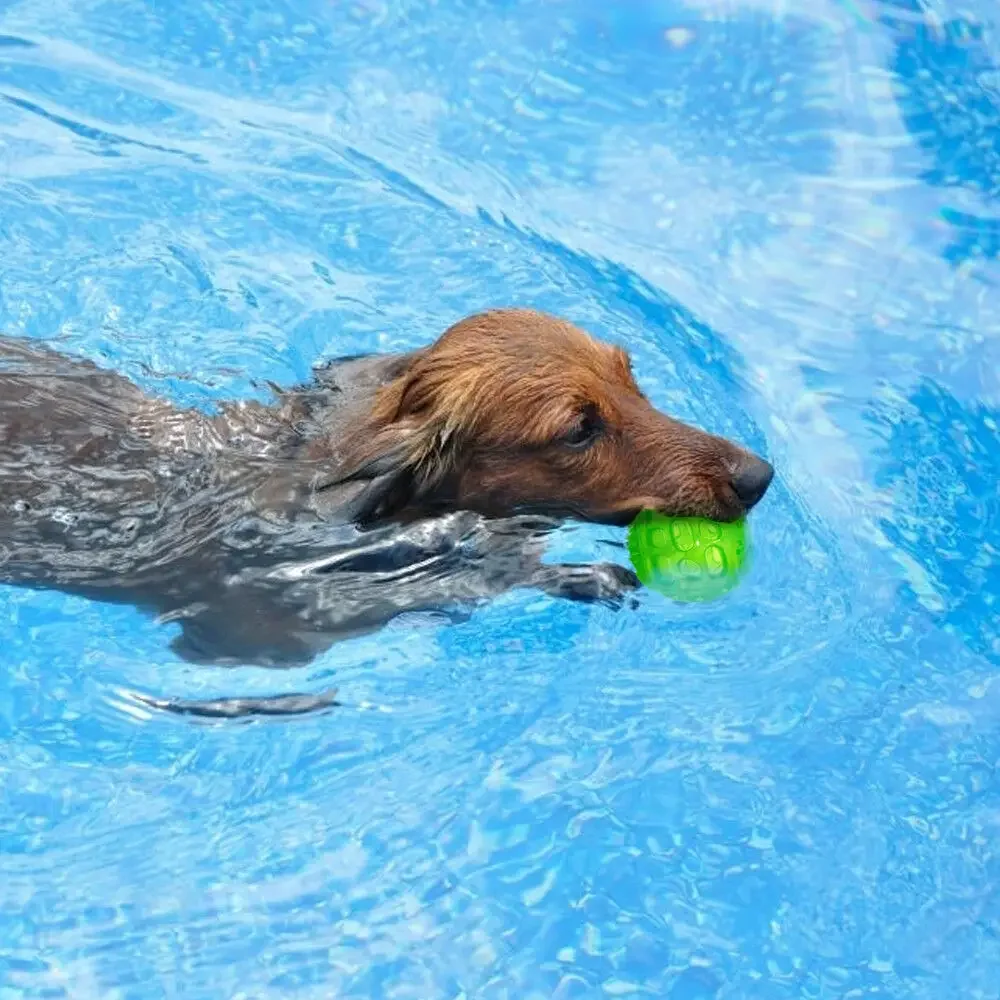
(424,481)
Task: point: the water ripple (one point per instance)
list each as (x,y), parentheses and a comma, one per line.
(789,218)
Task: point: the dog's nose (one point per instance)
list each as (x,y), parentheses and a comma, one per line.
(752,479)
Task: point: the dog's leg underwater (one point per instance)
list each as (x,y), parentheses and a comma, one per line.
(603,583)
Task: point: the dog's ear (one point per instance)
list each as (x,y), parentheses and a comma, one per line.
(406,447)
(386,479)
(380,498)
(401,467)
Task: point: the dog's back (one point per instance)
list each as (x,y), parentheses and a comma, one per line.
(74,485)
(208,520)
(103,487)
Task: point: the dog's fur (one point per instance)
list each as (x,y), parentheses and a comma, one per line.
(415,482)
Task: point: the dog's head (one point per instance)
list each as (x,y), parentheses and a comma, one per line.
(515,411)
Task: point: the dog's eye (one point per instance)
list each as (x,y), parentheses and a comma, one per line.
(585,431)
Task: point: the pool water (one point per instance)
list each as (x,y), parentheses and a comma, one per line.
(790,214)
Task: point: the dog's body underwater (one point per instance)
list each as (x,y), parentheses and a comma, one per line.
(417,482)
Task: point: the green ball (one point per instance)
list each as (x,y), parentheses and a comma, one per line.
(688,558)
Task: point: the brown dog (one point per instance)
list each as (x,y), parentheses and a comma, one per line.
(416,482)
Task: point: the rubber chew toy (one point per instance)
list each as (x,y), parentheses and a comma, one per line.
(688,558)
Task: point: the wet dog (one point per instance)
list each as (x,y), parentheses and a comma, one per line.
(424,481)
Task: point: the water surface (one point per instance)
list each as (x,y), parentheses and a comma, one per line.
(790,214)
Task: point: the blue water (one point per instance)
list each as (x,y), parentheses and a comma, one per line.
(790,213)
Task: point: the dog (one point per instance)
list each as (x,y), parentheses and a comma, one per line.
(418,482)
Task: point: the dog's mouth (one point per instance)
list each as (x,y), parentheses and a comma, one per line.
(622,514)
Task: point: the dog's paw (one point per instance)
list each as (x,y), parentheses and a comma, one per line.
(614,584)
(603,583)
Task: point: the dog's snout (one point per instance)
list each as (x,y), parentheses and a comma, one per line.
(751,480)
